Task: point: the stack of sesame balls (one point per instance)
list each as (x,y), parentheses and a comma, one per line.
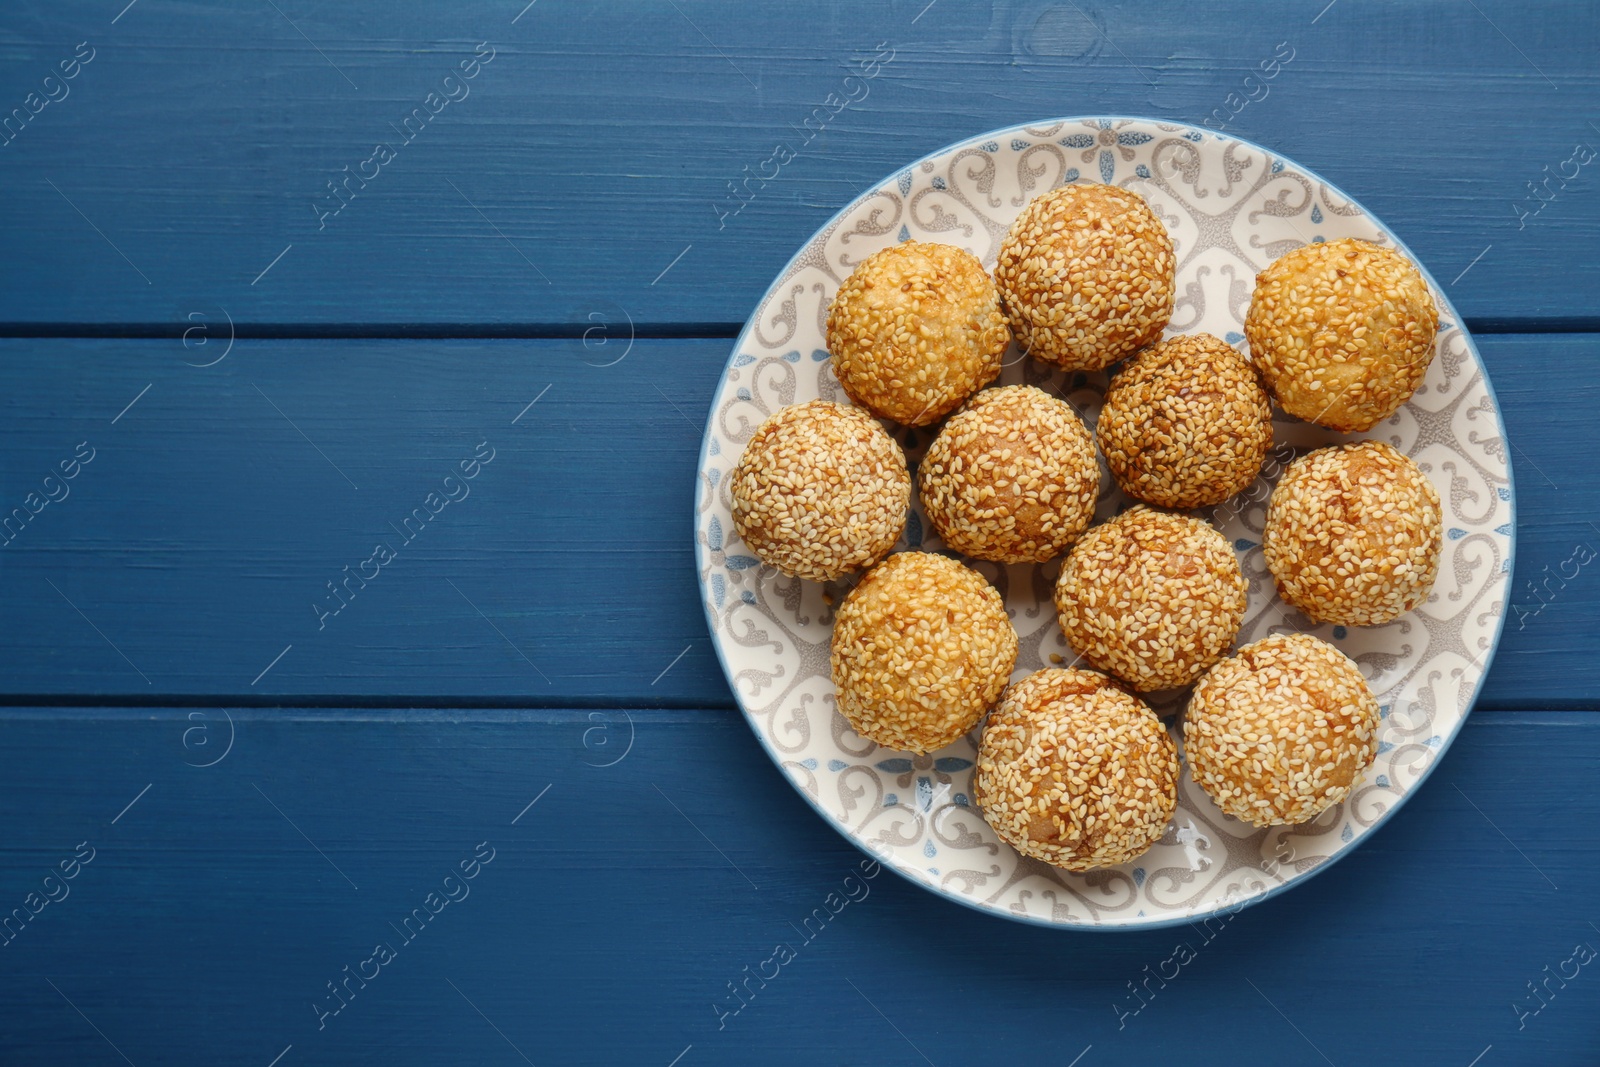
(1074,767)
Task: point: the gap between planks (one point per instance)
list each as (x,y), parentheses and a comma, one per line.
(535,331)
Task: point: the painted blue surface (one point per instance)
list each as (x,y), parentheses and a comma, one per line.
(617,909)
(201,144)
(265,785)
(205,501)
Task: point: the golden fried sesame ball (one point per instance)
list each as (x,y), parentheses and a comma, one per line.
(1012,477)
(1151,597)
(1076,771)
(1342,331)
(922,647)
(1279,733)
(1085,276)
(1186,423)
(915,329)
(1353,534)
(820,491)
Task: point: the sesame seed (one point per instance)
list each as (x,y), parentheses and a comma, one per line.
(1085,276)
(821,490)
(1342,331)
(915,329)
(1281,732)
(1151,597)
(1012,477)
(1186,423)
(1076,771)
(1354,534)
(921,648)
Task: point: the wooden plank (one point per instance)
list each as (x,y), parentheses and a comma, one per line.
(188,552)
(226,502)
(616,910)
(588,166)
(1557,577)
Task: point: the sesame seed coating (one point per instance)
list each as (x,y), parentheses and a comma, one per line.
(1279,733)
(1353,534)
(1342,331)
(1012,477)
(1076,771)
(922,647)
(820,491)
(1086,276)
(1186,423)
(915,329)
(1151,597)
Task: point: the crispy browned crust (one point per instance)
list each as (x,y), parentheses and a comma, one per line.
(1186,423)
(1353,534)
(1012,477)
(1282,731)
(1342,332)
(922,647)
(914,330)
(1076,771)
(1151,597)
(820,491)
(1086,276)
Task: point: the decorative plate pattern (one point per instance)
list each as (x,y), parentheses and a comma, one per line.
(1232,207)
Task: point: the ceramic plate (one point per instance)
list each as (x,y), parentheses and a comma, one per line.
(1232,207)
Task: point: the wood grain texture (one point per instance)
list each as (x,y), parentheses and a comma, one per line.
(217,508)
(617,909)
(599,144)
(646,852)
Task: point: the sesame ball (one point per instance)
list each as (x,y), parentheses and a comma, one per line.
(1186,423)
(1151,597)
(1076,771)
(1279,733)
(1342,331)
(1012,477)
(922,647)
(914,330)
(1353,534)
(1086,275)
(820,491)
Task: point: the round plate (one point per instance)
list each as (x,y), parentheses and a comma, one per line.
(1232,207)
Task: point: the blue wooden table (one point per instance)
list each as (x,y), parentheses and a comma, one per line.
(284,280)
